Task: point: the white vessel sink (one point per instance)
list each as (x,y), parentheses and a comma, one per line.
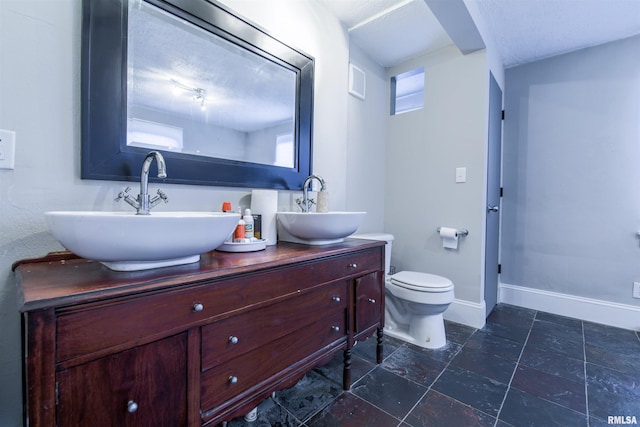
(313,228)
(124,241)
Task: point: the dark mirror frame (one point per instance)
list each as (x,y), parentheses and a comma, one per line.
(105,155)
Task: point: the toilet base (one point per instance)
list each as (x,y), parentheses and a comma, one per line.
(425,332)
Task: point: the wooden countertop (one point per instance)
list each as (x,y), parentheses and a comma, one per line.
(62,280)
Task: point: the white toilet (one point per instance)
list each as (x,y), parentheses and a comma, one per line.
(414,302)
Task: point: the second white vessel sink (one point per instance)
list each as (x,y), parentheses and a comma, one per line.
(314,228)
(124,241)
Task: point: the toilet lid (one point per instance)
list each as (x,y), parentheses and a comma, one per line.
(424,282)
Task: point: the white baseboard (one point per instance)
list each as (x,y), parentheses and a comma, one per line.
(592,310)
(467,313)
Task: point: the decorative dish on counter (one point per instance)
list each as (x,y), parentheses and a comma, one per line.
(252,246)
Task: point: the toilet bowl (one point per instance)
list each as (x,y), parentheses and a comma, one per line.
(414,302)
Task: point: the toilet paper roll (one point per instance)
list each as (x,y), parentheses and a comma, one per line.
(449,237)
(265,203)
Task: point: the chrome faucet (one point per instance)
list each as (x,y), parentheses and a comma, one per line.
(144,203)
(305,203)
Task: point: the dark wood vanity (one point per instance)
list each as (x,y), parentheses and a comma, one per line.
(195,344)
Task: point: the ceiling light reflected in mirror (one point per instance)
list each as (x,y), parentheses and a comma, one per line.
(197,93)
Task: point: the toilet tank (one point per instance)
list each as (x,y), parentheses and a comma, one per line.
(387,249)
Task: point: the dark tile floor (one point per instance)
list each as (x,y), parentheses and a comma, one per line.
(524,368)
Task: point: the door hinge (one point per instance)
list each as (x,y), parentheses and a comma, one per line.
(501,191)
(502,114)
(499,268)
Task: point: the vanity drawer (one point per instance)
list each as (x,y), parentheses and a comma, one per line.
(356,263)
(240,374)
(233,336)
(84,330)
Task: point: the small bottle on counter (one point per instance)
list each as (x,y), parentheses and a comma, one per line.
(248,221)
(239,233)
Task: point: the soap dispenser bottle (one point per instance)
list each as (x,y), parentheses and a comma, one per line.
(248,224)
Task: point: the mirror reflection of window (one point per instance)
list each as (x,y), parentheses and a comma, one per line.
(189,89)
(407,91)
(284,148)
(154,136)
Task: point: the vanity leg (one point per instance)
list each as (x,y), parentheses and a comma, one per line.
(379,347)
(346,373)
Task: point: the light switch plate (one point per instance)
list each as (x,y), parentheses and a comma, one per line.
(461,174)
(7,149)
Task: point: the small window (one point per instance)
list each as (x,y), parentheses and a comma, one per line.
(407,91)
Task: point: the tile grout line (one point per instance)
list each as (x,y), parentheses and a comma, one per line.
(435,380)
(515,369)
(370,403)
(584,367)
(379,365)
(406,345)
(402,420)
(346,391)
(332,401)
(301,422)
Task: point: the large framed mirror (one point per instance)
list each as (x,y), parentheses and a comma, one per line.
(225,102)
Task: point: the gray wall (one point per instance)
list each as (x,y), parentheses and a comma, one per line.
(366,144)
(571,173)
(424,147)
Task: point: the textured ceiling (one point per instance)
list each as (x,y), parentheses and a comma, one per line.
(391,31)
(528,30)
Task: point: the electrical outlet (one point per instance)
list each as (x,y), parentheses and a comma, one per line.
(636,290)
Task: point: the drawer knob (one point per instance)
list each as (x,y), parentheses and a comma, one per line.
(353,266)
(372,301)
(198,307)
(233,339)
(233,379)
(132,406)
(336,299)
(335,328)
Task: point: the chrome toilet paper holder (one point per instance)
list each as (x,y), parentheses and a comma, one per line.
(459,232)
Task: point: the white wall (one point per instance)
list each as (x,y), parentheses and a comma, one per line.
(40,100)
(424,148)
(571,206)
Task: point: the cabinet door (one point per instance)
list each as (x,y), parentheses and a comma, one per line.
(144,386)
(369,293)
